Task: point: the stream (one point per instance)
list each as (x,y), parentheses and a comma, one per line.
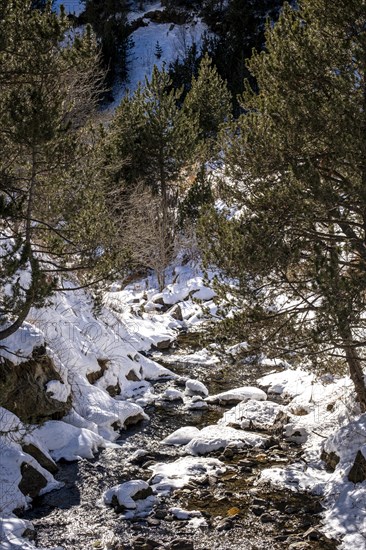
(238,514)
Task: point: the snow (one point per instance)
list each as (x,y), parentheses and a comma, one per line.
(215,437)
(237,395)
(68,442)
(179,513)
(172,394)
(175,40)
(13,435)
(11,531)
(288,382)
(195,387)
(125,492)
(182,436)
(58,390)
(200,357)
(260,415)
(73,7)
(170,476)
(323,416)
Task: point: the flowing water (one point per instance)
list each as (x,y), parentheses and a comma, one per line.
(239,515)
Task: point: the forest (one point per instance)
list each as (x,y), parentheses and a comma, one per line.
(183,223)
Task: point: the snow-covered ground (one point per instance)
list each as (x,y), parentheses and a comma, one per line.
(320,414)
(156,44)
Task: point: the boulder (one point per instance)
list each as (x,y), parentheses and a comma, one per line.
(46,463)
(357,473)
(23,389)
(32,481)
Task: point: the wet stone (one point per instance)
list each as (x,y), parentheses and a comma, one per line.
(268,518)
(181,544)
(224,525)
(258,510)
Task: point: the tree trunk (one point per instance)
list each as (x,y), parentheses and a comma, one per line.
(355,368)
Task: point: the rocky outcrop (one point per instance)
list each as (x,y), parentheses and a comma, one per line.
(23,389)
(357,473)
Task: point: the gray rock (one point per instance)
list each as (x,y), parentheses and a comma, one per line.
(23,389)
(181,544)
(357,473)
(224,525)
(268,518)
(46,463)
(312,534)
(32,480)
(163,345)
(132,376)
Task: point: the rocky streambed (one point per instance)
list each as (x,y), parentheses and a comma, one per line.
(216,505)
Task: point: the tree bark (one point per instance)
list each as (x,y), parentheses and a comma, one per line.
(355,368)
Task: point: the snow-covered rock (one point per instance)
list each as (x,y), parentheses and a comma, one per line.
(260,415)
(126,494)
(172,394)
(290,382)
(215,437)
(182,436)
(195,387)
(238,395)
(175,475)
(68,442)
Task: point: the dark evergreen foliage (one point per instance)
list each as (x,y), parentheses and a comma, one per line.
(298,160)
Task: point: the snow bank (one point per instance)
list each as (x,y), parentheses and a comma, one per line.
(324,417)
(68,442)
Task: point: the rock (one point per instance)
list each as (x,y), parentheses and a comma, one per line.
(234,511)
(224,525)
(163,345)
(258,510)
(46,463)
(114,390)
(142,543)
(153,522)
(131,420)
(23,389)
(312,534)
(331,460)
(143,493)
(299,546)
(228,453)
(260,501)
(181,544)
(357,473)
(32,481)
(314,508)
(176,312)
(96,375)
(161,514)
(267,518)
(132,376)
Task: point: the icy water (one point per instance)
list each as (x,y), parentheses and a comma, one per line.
(239,515)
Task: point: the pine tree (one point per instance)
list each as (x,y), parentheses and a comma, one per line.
(49,179)
(298,159)
(150,142)
(209,100)
(108,18)
(158,50)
